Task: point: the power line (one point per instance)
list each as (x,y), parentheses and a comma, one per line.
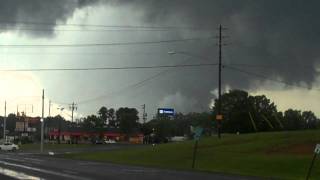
(99,44)
(95,30)
(93,25)
(264,66)
(81,53)
(135,85)
(109,68)
(129,87)
(250,65)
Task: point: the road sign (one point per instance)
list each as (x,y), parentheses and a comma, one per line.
(316,152)
(219,117)
(317,149)
(197,133)
(166,111)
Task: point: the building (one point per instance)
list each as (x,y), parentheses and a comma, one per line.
(26,127)
(85,137)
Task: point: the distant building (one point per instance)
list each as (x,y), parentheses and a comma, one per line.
(26,126)
(84,137)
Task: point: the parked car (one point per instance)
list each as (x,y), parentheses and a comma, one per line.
(98,141)
(9,147)
(109,141)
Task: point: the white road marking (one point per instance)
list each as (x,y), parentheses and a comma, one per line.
(44,171)
(18,175)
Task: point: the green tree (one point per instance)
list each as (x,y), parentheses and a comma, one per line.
(103,114)
(87,124)
(11,123)
(310,120)
(263,111)
(235,109)
(111,117)
(128,120)
(293,119)
(97,122)
(238,106)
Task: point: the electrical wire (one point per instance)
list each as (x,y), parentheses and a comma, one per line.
(134,85)
(109,68)
(96,30)
(99,44)
(263,66)
(6,22)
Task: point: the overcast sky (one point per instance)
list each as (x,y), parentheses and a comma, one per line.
(265,40)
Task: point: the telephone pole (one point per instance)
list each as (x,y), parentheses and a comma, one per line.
(4,120)
(49,108)
(219,116)
(73,107)
(144,115)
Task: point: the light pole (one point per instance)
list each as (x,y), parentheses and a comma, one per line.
(42,122)
(4,121)
(59,128)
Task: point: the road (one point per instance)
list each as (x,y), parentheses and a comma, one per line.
(38,167)
(95,148)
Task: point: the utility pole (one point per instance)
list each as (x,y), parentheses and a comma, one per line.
(4,120)
(49,108)
(73,107)
(144,115)
(59,130)
(219,116)
(42,122)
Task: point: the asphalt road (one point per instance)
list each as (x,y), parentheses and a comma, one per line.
(3,177)
(33,166)
(94,148)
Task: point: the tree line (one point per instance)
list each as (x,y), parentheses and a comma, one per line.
(242,113)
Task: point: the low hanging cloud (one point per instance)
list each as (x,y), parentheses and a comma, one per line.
(180,103)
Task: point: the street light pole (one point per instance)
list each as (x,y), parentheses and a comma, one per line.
(219,116)
(144,115)
(59,124)
(4,120)
(42,122)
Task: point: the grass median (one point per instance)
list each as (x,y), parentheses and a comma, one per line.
(283,155)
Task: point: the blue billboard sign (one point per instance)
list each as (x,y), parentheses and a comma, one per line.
(166,111)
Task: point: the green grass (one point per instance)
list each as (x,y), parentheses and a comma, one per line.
(260,154)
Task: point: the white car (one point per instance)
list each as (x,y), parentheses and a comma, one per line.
(9,147)
(109,141)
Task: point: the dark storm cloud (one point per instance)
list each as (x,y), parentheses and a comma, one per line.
(284,35)
(281,36)
(49,12)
